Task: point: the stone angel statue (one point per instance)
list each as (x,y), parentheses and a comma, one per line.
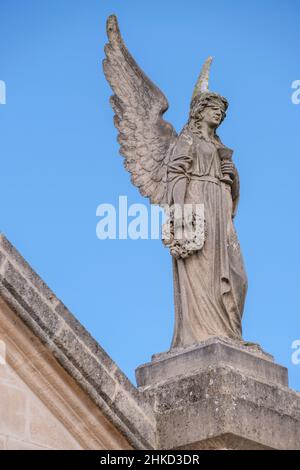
(191,168)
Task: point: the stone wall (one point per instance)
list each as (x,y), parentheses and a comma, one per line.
(25,422)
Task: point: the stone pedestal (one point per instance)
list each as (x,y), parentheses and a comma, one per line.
(221,395)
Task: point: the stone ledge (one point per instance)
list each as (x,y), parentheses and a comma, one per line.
(211,353)
(74,348)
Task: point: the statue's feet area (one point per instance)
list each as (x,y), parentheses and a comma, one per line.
(248,346)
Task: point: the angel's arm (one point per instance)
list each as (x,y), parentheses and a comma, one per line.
(235,192)
(179,191)
(179,168)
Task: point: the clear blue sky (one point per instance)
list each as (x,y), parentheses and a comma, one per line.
(59,157)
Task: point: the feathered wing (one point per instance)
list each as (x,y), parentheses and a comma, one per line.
(145,138)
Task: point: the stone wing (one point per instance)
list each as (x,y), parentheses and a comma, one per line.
(145,138)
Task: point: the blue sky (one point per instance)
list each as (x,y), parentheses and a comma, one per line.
(59,157)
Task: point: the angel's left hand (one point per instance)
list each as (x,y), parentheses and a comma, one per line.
(228,168)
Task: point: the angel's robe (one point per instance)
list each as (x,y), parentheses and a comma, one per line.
(210,285)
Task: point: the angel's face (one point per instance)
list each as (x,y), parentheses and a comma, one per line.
(212,115)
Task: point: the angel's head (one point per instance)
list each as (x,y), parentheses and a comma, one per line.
(208,107)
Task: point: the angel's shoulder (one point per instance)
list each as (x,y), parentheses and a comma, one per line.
(185,137)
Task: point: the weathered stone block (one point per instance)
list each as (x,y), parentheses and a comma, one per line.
(30,299)
(214,352)
(219,396)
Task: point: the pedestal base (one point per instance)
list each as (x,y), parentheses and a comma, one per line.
(221,395)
